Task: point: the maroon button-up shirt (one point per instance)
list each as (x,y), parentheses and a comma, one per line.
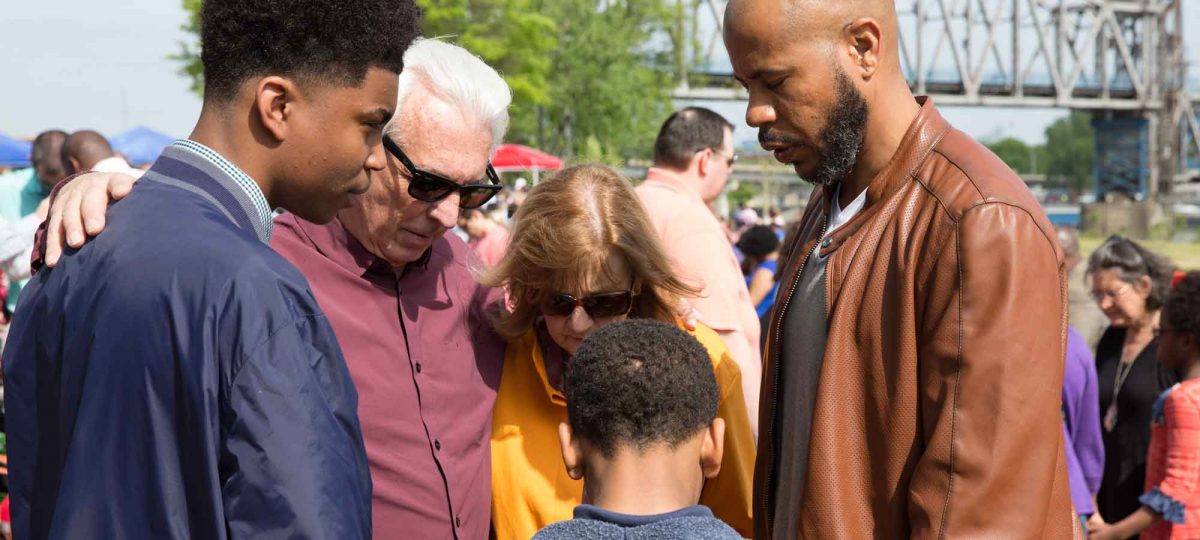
(426,364)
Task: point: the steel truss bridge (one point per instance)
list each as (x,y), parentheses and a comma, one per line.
(1122,60)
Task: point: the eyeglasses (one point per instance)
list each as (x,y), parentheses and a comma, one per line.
(432,187)
(1113,294)
(728,161)
(597,306)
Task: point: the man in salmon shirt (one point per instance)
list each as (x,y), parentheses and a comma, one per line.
(693,157)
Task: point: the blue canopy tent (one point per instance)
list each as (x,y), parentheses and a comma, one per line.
(13,152)
(140,144)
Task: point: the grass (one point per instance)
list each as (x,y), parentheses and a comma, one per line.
(1185,255)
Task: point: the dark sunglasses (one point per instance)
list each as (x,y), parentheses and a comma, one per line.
(597,306)
(431,187)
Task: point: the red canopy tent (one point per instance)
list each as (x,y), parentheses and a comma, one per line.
(516,157)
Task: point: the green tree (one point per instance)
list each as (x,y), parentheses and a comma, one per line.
(511,36)
(189,52)
(741,194)
(1021,157)
(589,77)
(507,34)
(1069,150)
(611,75)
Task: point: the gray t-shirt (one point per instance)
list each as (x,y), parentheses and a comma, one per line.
(802,349)
(802,353)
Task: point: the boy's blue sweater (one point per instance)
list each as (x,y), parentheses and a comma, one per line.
(592,523)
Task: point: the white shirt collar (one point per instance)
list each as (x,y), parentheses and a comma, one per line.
(839,216)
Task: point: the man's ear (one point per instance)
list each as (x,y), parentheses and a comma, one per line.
(75,166)
(865,36)
(571,454)
(704,161)
(712,448)
(275,100)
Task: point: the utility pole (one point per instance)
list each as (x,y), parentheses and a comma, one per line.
(1174,83)
(679,40)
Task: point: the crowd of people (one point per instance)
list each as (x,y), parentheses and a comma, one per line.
(24,196)
(270,333)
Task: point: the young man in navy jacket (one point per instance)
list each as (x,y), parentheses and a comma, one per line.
(175,377)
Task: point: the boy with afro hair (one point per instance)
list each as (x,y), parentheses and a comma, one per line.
(642,431)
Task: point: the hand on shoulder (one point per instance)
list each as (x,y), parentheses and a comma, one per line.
(78,207)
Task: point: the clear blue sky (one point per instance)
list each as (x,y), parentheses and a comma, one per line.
(102,64)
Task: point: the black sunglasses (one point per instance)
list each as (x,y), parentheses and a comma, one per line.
(431,187)
(597,306)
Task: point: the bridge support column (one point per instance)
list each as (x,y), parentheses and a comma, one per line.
(1137,219)
(1121,166)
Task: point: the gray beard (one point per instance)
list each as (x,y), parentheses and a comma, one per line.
(842,139)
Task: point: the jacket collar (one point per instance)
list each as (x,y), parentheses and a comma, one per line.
(923,134)
(918,142)
(193,167)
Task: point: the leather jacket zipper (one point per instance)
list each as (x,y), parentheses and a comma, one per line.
(778,340)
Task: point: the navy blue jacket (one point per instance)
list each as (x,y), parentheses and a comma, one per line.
(175,378)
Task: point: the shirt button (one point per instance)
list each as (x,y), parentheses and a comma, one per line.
(458,521)
(437,445)
(418,367)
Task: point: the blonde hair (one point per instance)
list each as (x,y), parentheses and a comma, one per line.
(562,235)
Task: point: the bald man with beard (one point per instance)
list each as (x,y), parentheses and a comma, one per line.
(913,364)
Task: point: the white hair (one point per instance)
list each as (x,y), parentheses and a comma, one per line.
(459,77)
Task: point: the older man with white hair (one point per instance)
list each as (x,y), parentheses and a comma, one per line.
(398,293)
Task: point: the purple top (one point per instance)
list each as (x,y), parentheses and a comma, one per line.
(426,366)
(1081,423)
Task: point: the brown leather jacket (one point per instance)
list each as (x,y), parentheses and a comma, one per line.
(938,407)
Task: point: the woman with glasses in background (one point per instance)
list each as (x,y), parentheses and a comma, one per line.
(1129,283)
(583,254)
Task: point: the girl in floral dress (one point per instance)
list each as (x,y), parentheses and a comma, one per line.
(1171,502)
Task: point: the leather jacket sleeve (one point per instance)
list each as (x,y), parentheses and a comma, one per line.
(990,366)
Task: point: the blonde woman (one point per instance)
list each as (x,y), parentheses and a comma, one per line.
(582,255)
